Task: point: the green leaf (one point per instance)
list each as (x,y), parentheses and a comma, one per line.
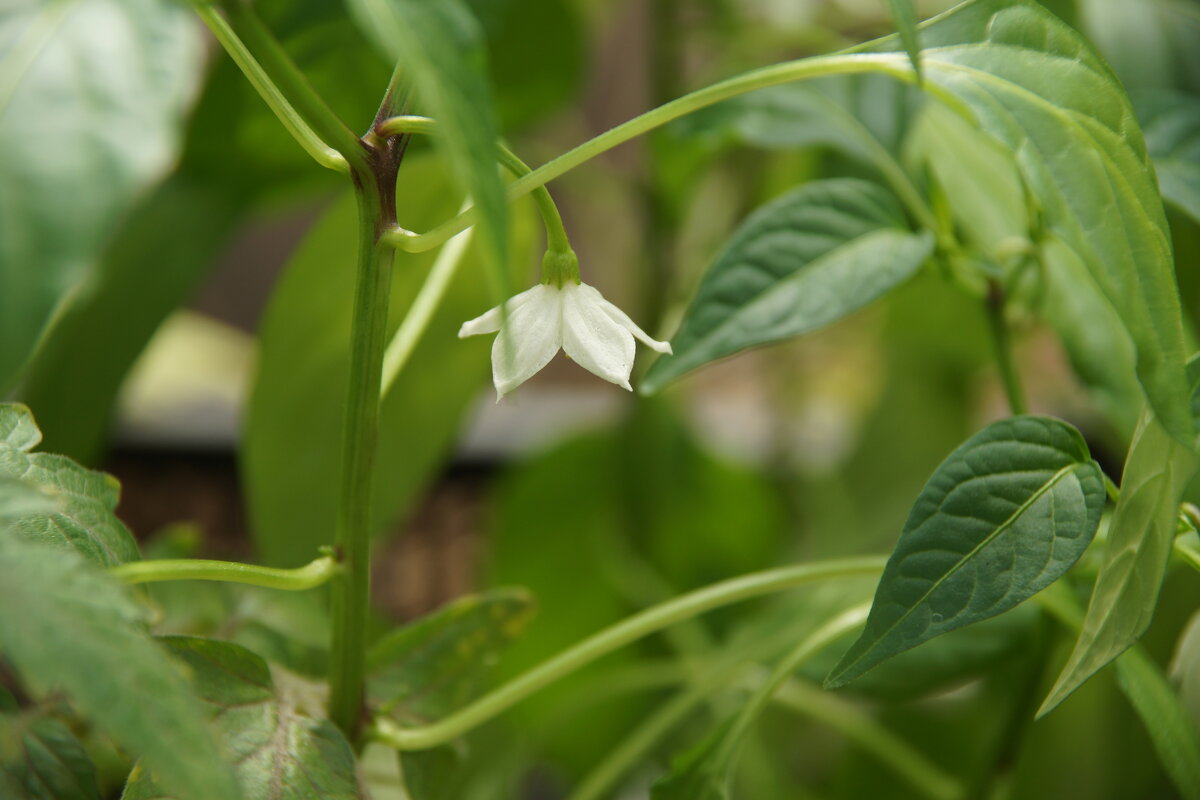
(1003,517)
(1143,528)
(56,604)
(291,457)
(906,24)
(119,99)
(84,519)
(441,50)
(798,263)
(40,759)
(272,727)
(1037,87)
(19,499)
(433,666)
(154,263)
(1171,121)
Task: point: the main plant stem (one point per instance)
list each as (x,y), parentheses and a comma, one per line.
(375,190)
(994,304)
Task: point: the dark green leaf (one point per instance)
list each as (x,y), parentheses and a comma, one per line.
(536,53)
(153,265)
(435,774)
(432,666)
(800,262)
(272,727)
(40,759)
(119,100)
(292,453)
(906,24)
(1035,85)
(1171,121)
(1004,516)
(441,50)
(57,604)
(86,500)
(1143,528)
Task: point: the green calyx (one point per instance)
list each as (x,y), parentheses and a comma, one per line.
(560,267)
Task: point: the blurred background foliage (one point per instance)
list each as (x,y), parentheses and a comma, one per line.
(600,502)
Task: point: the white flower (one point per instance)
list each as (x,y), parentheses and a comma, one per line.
(577,318)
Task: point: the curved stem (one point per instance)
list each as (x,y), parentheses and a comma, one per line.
(613,638)
(295,124)
(895,65)
(309,576)
(279,76)
(556,234)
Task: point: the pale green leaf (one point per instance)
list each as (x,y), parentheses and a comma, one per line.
(272,727)
(442,52)
(1038,88)
(291,458)
(85,500)
(40,759)
(55,603)
(92,96)
(1003,517)
(1143,528)
(801,262)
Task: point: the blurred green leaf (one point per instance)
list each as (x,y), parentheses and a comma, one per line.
(1143,528)
(536,53)
(1003,517)
(657,515)
(291,456)
(434,665)
(801,262)
(119,99)
(1037,87)
(158,257)
(440,47)
(1171,121)
(274,732)
(85,500)
(56,603)
(40,759)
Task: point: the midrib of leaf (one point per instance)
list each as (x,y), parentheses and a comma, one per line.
(28,47)
(1008,523)
(812,266)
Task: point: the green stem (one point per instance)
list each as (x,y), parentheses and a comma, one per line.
(351,595)
(295,124)
(613,638)
(556,234)
(895,65)
(279,77)
(309,576)
(994,304)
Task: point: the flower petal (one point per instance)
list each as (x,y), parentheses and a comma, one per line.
(593,338)
(622,319)
(489,321)
(529,340)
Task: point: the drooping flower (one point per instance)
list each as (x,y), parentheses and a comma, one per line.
(572,316)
